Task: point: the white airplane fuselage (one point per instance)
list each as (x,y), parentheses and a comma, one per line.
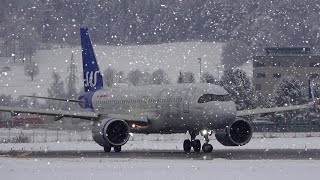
(172,108)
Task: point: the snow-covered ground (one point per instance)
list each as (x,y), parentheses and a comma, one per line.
(132,168)
(171,57)
(166,142)
(138,169)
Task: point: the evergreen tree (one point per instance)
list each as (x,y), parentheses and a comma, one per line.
(288,91)
(188,77)
(180,78)
(209,78)
(238,85)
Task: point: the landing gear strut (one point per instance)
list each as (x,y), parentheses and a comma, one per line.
(107,148)
(206,147)
(196,144)
(193,143)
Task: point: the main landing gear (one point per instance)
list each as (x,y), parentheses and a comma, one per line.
(196,144)
(107,148)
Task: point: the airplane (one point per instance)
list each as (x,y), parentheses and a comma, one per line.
(198,108)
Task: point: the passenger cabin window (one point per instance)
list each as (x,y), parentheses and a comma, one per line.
(212,97)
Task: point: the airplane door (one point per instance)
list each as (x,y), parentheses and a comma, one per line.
(186,100)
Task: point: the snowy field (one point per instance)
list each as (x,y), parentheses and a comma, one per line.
(171,57)
(132,168)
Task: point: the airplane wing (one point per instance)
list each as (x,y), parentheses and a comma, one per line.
(58,113)
(270,110)
(138,119)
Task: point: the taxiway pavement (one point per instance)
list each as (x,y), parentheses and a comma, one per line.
(236,154)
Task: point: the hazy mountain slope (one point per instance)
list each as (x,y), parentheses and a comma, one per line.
(172,57)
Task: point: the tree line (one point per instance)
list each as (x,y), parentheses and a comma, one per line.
(250,25)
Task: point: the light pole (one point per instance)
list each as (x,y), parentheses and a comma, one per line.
(199,58)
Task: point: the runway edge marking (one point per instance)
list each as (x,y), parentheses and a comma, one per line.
(23,155)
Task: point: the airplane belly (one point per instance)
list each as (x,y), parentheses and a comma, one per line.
(214,116)
(163,125)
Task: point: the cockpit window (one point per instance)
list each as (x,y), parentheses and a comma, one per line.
(212,97)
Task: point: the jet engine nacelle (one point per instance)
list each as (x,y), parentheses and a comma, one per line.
(238,134)
(111,131)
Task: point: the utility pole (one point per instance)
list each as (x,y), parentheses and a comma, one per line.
(72,78)
(200,61)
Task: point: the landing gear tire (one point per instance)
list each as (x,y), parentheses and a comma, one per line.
(117,149)
(107,148)
(196,145)
(207,148)
(187,145)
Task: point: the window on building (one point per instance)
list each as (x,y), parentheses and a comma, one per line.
(314,64)
(258,87)
(259,64)
(276,75)
(261,75)
(276,64)
(313,75)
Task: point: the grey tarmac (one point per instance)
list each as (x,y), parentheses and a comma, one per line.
(234,154)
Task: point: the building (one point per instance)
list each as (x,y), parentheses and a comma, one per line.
(278,62)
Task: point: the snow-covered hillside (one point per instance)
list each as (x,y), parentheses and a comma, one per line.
(171,57)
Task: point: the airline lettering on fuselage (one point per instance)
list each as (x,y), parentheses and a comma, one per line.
(91,78)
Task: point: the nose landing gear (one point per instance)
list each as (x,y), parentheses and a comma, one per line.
(206,147)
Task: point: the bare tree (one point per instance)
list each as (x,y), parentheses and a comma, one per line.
(159,77)
(120,77)
(135,77)
(56,90)
(31,69)
(110,75)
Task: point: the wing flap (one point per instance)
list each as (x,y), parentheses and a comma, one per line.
(270,110)
(58,113)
